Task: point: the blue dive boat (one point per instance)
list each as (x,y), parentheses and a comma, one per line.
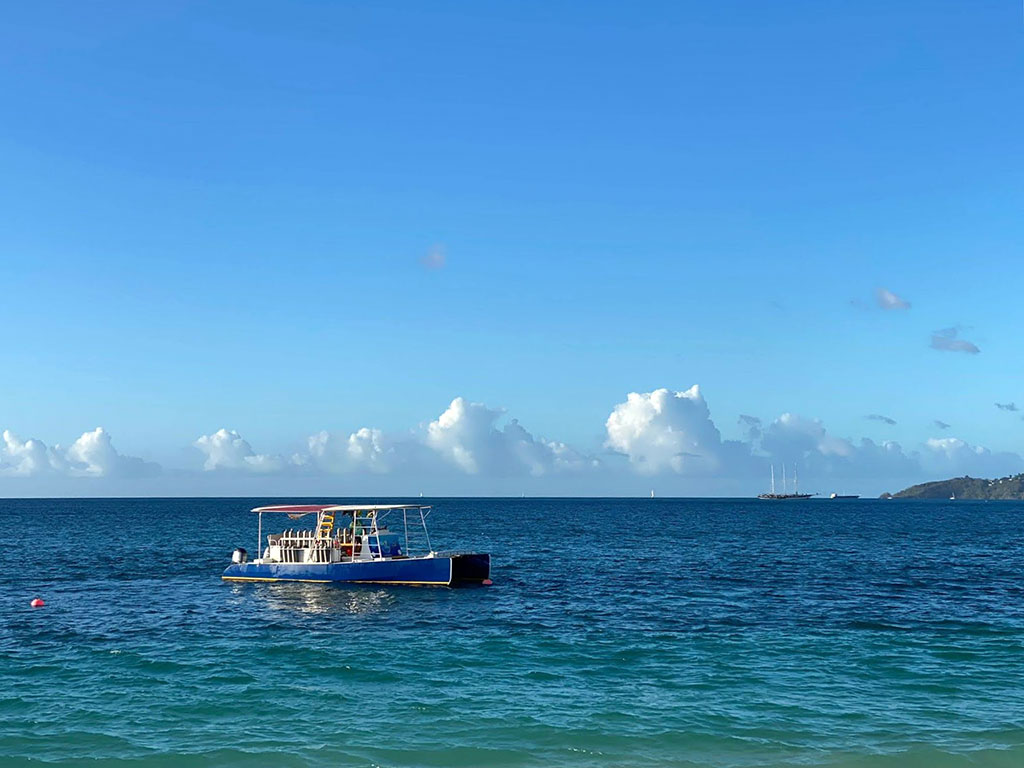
(353,543)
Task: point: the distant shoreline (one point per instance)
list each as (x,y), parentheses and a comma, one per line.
(904,495)
(966,488)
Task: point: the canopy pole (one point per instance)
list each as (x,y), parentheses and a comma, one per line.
(423,520)
(259,536)
(405,521)
(376,533)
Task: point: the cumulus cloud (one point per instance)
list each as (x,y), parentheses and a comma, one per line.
(365,449)
(947,340)
(880,417)
(24,458)
(1007,406)
(435,258)
(662,432)
(466,437)
(91,455)
(94,455)
(226,450)
(947,456)
(805,442)
(791,437)
(888,300)
(670,431)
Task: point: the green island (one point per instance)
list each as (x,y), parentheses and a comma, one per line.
(1011,487)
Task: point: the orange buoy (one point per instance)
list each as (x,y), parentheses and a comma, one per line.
(37,603)
(487,582)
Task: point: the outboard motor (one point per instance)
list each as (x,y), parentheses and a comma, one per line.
(239,556)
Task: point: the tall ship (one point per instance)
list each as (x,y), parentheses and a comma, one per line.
(356,544)
(785,495)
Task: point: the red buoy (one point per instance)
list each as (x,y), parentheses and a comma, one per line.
(487,582)
(37,603)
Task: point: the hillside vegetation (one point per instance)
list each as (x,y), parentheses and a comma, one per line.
(965,488)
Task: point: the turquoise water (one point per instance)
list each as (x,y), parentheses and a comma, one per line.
(617,633)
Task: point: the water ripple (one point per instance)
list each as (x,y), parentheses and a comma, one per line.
(725,633)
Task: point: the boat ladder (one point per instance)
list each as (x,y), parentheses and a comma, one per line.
(326,525)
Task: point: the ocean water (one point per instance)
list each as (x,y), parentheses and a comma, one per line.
(618,632)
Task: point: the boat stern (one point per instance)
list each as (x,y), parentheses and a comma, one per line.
(235,572)
(471,568)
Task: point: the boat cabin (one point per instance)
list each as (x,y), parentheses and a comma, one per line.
(344,533)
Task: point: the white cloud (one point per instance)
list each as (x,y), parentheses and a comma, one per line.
(662,432)
(807,445)
(365,449)
(565,458)
(888,300)
(948,456)
(665,431)
(225,449)
(24,458)
(94,455)
(461,433)
(466,437)
(791,437)
(91,455)
(949,448)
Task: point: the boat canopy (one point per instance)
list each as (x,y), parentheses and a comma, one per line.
(307,509)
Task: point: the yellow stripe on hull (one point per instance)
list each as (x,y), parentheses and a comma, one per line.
(259,578)
(412,583)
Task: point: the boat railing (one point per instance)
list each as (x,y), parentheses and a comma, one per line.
(363,536)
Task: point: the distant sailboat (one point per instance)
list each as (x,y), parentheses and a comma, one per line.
(652,493)
(773,496)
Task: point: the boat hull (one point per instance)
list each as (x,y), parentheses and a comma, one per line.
(471,568)
(419,571)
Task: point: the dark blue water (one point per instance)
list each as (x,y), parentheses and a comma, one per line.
(617,632)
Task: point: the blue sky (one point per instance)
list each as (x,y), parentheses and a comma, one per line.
(281,219)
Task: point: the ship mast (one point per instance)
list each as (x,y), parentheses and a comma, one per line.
(773,479)
(796,480)
(783,478)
